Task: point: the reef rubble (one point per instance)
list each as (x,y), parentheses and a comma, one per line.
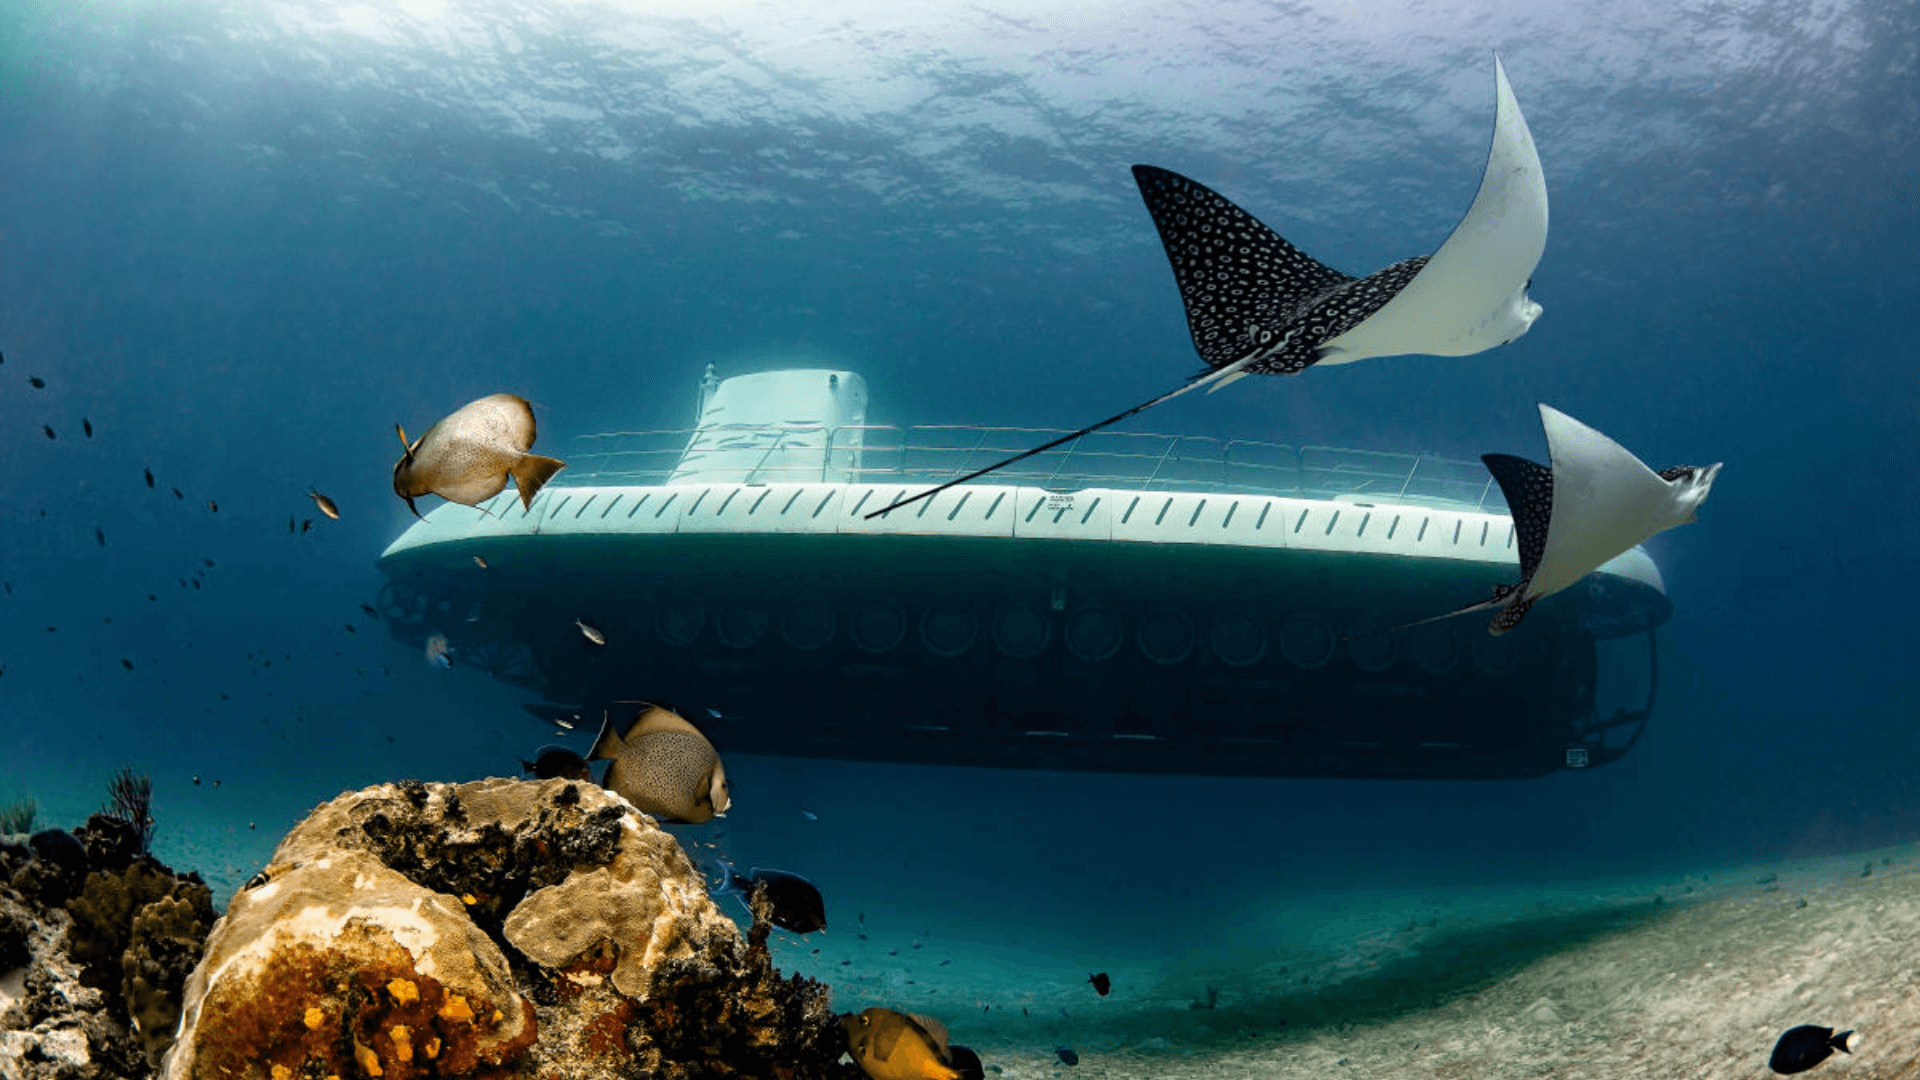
(499,929)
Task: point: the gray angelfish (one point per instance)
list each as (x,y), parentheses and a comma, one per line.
(663,766)
(467,456)
(1596,502)
(1257,305)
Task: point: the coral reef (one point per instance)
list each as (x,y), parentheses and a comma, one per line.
(500,929)
(96,942)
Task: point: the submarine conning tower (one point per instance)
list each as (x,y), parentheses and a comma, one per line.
(1131,602)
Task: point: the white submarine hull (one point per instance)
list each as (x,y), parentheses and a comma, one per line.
(1187,628)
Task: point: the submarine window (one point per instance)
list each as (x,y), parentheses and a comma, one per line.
(1165,635)
(1435,649)
(1095,633)
(1306,640)
(1020,632)
(879,627)
(679,622)
(949,629)
(808,625)
(1239,639)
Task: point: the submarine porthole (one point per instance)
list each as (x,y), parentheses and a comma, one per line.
(1435,649)
(679,622)
(1239,639)
(949,630)
(1095,633)
(808,625)
(1165,635)
(1306,640)
(878,627)
(1020,632)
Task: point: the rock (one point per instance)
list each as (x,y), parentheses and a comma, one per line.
(501,928)
(79,914)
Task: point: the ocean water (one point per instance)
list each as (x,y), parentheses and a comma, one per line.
(241,240)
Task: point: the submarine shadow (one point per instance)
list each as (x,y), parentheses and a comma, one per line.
(1436,968)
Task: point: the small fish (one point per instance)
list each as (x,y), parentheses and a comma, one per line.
(212,506)
(557,762)
(1066,1055)
(663,766)
(196,781)
(715,713)
(889,1045)
(439,651)
(797,903)
(1101,984)
(86,426)
(368,608)
(305,524)
(149,475)
(467,456)
(808,814)
(38,382)
(1804,1047)
(177,495)
(479,562)
(967,1063)
(325,504)
(126,663)
(590,632)
(292,526)
(350,628)
(48,428)
(99,536)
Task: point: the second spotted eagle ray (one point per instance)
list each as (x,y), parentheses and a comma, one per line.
(1257,305)
(1594,502)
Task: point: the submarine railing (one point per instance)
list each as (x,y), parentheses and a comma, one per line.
(930,453)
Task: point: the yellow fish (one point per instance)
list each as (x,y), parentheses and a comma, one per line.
(664,766)
(890,1045)
(467,456)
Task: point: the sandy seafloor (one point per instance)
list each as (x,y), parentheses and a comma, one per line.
(1670,975)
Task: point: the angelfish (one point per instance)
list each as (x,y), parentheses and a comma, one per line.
(663,766)
(889,1045)
(467,456)
(1595,502)
(1257,305)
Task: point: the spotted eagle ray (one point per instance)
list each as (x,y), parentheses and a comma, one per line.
(1595,502)
(1257,305)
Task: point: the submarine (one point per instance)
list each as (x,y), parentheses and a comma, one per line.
(1131,602)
